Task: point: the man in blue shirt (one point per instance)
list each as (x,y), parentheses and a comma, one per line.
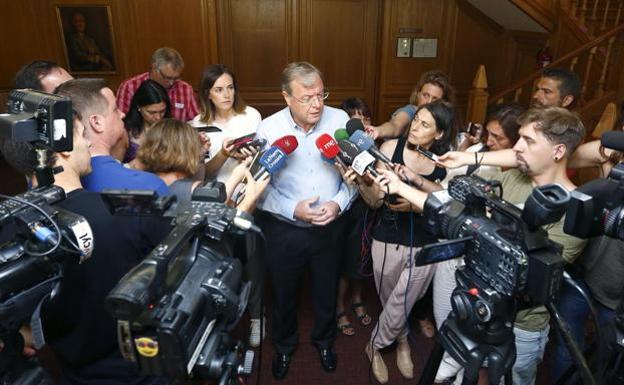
(300,215)
(104,127)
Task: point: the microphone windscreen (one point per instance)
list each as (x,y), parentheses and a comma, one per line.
(327,146)
(273,159)
(341,134)
(349,148)
(613,140)
(287,144)
(354,124)
(363,141)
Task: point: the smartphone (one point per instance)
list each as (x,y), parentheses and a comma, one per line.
(242,140)
(442,251)
(427,153)
(208,129)
(474,129)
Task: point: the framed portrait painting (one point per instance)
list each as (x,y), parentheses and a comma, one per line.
(88,39)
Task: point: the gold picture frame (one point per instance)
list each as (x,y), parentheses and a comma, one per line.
(88,38)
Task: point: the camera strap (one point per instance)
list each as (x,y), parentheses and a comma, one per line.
(35,319)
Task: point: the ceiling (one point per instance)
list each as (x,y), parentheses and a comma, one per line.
(507,15)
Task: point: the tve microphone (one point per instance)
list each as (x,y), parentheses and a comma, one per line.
(341,134)
(287,144)
(355,124)
(362,160)
(271,161)
(366,143)
(613,140)
(329,148)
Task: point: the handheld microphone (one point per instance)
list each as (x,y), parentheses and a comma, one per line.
(287,144)
(366,143)
(270,162)
(354,124)
(341,134)
(362,160)
(329,148)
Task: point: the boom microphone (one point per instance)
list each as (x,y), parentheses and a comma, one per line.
(366,143)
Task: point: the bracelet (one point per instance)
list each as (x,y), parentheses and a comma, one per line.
(476,161)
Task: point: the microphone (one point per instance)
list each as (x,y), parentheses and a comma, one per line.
(354,124)
(271,161)
(287,144)
(329,148)
(362,160)
(366,143)
(613,140)
(341,134)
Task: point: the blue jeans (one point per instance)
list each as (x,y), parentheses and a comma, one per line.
(530,348)
(575,311)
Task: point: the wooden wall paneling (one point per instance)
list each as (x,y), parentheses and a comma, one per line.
(181,25)
(256,40)
(414,19)
(340,37)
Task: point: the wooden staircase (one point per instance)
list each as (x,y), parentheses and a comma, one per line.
(596,28)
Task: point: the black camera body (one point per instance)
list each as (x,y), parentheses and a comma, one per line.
(509,251)
(174,309)
(39,118)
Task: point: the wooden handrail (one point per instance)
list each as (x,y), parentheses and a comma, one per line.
(557,63)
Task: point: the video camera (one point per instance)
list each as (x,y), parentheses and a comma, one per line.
(597,207)
(38,238)
(175,308)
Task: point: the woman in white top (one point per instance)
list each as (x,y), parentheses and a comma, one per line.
(223,107)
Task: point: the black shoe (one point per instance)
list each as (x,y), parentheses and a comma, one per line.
(328,359)
(280,365)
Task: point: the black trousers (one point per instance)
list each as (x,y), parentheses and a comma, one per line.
(290,250)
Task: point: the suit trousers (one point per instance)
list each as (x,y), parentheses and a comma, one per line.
(290,251)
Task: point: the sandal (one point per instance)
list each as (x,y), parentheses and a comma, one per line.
(345,328)
(363,317)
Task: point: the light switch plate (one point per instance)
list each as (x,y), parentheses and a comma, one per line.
(404,45)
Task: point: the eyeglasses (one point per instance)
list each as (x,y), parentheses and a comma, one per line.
(170,79)
(307,100)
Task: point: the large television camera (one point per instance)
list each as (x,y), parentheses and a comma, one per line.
(175,308)
(509,263)
(37,239)
(597,207)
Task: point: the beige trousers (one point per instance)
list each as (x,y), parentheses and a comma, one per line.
(399,287)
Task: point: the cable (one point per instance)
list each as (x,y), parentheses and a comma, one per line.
(48,217)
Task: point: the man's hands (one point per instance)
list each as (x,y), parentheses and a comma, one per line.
(319,215)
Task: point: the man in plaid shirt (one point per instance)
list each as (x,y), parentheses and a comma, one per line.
(167,66)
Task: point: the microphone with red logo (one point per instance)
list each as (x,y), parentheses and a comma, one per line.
(287,143)
(329,149)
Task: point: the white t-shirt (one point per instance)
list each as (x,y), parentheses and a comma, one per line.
(239,125)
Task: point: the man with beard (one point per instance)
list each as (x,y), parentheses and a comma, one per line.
(557,88)
(547,138)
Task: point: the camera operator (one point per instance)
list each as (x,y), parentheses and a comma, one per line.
(599,269)
(547,138)
(78,329)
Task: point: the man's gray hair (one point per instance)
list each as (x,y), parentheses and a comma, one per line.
(165,55)
(303,72)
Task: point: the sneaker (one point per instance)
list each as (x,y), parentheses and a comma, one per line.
(254,333)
